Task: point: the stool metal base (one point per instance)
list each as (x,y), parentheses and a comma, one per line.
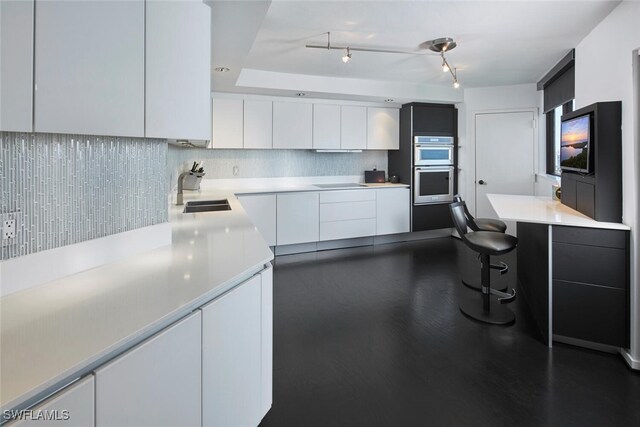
(497,314)
(476,286)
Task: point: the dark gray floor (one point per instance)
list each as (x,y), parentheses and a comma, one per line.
(373,337)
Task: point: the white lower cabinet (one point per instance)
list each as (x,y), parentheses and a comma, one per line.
(266,397)
(157,383)
(231,358)
(392,210)
(298,218)
(261,208)
(347,214)
(73,406)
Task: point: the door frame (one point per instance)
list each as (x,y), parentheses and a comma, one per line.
(536,145)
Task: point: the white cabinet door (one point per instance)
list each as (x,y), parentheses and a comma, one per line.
(326,126)
(383,129)
(267,340)
(157,383)
(353,128)
(73,406)
(292,125)
(258,124)
(178,70)
(16,65)
(89,67)
(231,358)
(298,218)
(393,205)
(227,123)
(262,211)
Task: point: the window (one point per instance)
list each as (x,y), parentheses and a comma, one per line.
(558,87)
(553,136)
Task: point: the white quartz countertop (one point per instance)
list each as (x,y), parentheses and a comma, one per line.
(544,210)
(51,332)
(271,188)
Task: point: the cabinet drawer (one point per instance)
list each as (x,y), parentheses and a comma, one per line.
(591,236)
(347,210)
(346,196)
(591,313)
(590,264)
(347,229)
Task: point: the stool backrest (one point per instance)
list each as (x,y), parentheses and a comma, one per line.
(471,223)
(459,218)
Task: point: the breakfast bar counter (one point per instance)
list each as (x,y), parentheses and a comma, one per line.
(573,271)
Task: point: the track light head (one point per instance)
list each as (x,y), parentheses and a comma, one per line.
(456,84)
(347,56)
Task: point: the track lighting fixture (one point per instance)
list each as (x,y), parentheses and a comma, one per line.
(347,56)
(439,46)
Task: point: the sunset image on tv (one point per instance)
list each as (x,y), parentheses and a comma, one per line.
(574,144)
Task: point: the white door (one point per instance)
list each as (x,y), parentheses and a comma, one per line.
(504,157)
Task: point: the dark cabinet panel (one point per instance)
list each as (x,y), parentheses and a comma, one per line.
(431,217)
(434,120)
(591,236)
(569,191)
(590,264)
(589,312)
(585,199)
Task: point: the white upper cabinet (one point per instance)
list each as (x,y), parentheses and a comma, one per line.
(326,126)
(258,124)
(227,123)
(76,400)
(89,67)
(292,125)
(353,128)
(178,69)
(16,65)
(383,128)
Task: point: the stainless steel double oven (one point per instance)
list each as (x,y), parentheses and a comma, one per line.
(433,170)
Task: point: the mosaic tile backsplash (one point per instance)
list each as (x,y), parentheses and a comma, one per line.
(272,163)
(72,188)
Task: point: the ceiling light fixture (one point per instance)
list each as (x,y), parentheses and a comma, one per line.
(347,56)
(388,100)
(442,45)
(221,69)
(437,46)
(301,94)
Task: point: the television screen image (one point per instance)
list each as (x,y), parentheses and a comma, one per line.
(574,144)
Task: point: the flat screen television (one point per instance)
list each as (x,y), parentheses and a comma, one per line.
(575,144)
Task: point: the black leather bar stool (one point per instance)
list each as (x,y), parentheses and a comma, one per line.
(487,244)
(483,224)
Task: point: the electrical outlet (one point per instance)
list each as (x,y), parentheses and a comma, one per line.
(9,229)
(236,170)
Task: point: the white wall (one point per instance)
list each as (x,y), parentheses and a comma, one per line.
(604,72)
(499,98)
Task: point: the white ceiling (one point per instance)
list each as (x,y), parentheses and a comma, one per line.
(499,42)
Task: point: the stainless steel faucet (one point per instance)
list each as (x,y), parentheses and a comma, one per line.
(179,199)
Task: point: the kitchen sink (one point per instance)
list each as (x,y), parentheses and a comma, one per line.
(207,206)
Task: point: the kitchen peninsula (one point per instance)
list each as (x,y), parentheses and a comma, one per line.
(572,270)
